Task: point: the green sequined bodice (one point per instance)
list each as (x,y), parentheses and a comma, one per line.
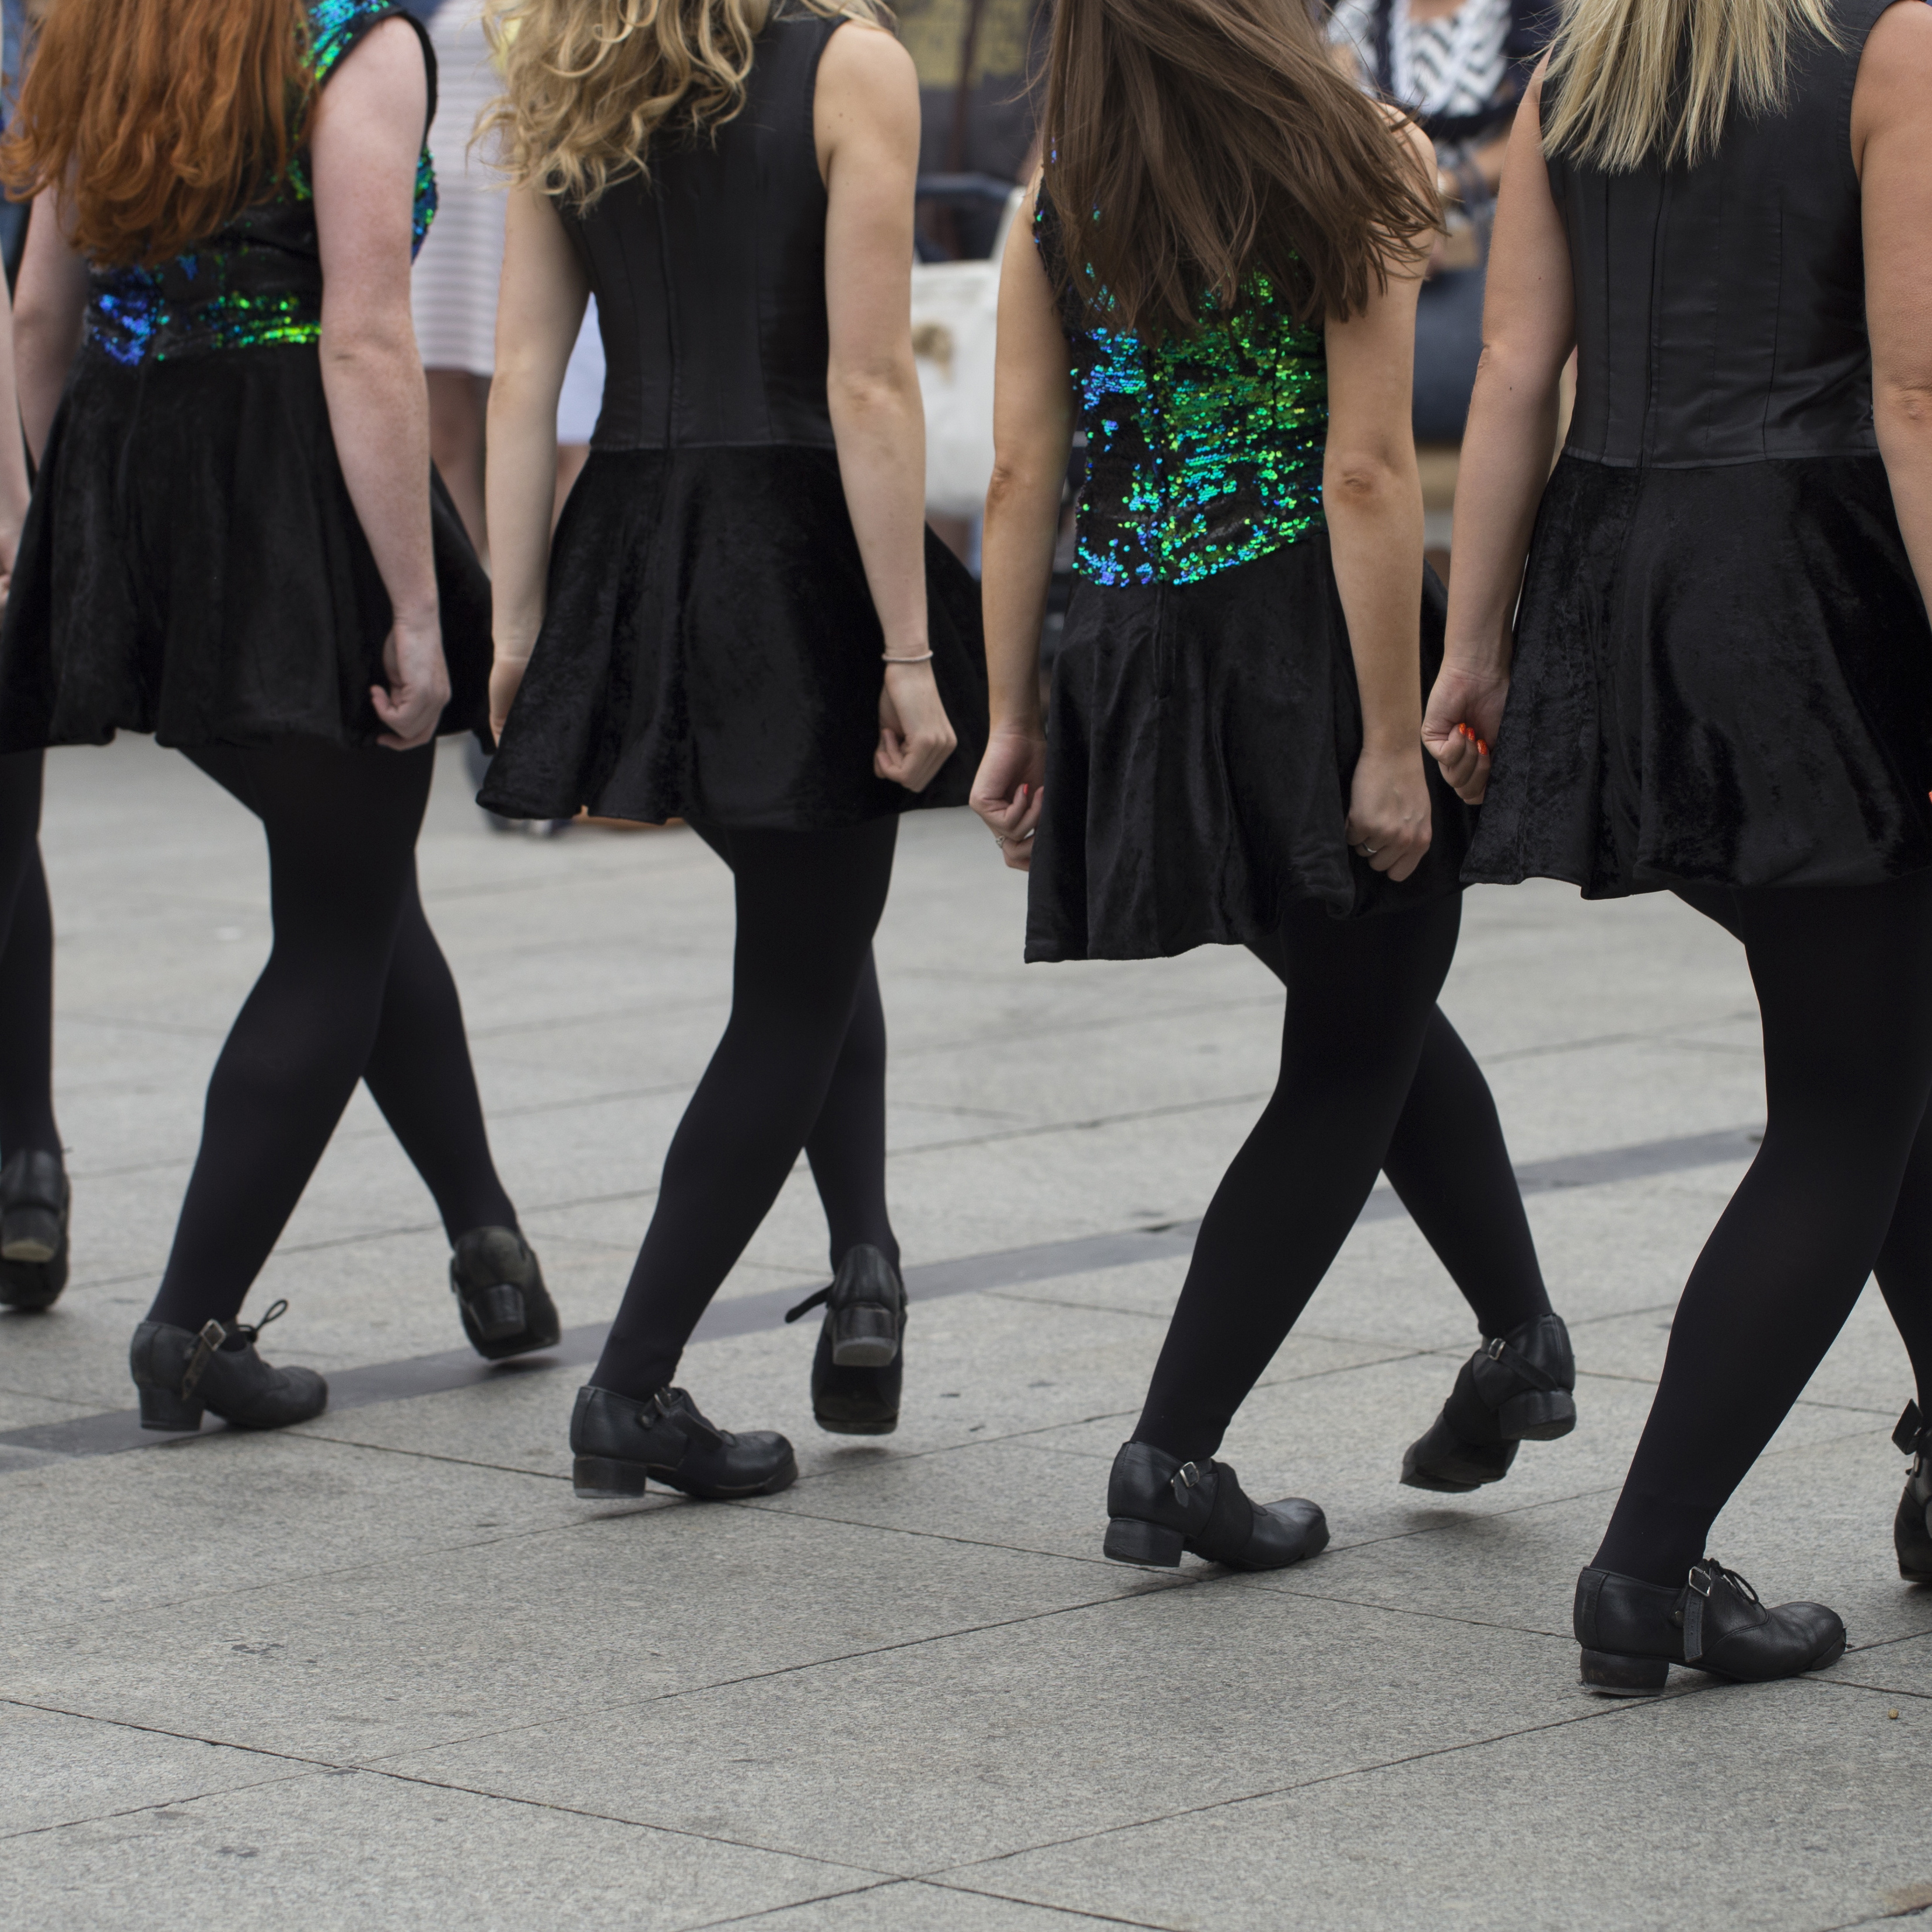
(1203,450)
(259,281)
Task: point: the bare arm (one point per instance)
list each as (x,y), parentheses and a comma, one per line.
(1891,136)
(50,312)
(13,451)
(368,127)
(1032,434)
(539,310)
(1528,329)
(865,119)
(1372,496)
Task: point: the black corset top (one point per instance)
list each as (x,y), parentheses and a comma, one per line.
(1721,308)
(710,276)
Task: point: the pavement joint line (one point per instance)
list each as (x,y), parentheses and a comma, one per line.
(1629,1707)
(939,1884)
(117,1431)
(317,1767)
(1058,1911)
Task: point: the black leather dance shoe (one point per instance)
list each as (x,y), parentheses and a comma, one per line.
(1912,1527)
(1160,1506)
(1517,1387)
(1632,1632)
(860,1362)
(617,1443)
(500,1291)
(34,1200)
(179,1373)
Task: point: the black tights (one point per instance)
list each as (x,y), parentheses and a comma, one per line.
(1841,1185)
(355,988)
(802,1065)
(26,966)
(1372,1076)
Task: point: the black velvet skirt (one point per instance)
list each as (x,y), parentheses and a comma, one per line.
(1722,676)
(1200,745)
(709,651)
(192,566)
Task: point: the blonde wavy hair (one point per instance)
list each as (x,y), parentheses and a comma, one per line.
(1646,80)
(588,84)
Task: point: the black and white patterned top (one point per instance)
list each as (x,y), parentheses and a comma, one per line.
(1460,75)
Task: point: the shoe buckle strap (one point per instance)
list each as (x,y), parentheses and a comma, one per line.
(1905,1438)
(1500,1352)
(1696,1596)
(1188,1476)
(811,1302)
(206,1343)
(681,1417)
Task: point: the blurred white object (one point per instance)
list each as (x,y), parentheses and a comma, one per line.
(954,308)
(582,397)
(453,290)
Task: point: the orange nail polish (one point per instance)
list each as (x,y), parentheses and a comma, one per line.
(1482,748)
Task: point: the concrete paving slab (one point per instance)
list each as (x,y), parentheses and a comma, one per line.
(1732,1806)
(349,1850)
(627,1603)
(231,1514)
(893,1906)
(1111,1713)
(55,1768)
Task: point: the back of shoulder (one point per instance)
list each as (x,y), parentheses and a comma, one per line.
(336,27)
(860,56)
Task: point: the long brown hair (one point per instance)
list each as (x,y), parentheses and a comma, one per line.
(587,83)
(1192,144)
(156,121)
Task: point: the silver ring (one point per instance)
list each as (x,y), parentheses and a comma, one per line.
(999,839)
(1367,851)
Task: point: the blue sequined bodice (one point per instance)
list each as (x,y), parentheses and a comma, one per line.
(1203,450)
(259,280)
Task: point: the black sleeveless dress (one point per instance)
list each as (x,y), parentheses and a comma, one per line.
(710,649)
(192,564)
(1723,670)
(1206,722)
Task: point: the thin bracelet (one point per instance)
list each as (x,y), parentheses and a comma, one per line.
(925,657)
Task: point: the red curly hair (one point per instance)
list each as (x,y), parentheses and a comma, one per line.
(158,120)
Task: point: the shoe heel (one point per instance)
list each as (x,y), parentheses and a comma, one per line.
(1616,1676)
(593,1476)
(30,1234)
(1540,1416)
(498,1312)
(162,1408)
(1131,1540)
(865,1338)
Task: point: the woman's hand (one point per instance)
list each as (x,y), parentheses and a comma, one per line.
(1008,790)
(411,706)
(1388,811)
(1465,714)
(916,736)
(506,680)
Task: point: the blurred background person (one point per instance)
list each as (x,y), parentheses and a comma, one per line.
(453,293)
(1459,67)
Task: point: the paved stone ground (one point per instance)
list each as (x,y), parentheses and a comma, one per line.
(385,1671)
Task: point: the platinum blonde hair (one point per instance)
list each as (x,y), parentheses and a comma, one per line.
(589,83)
(1642,81)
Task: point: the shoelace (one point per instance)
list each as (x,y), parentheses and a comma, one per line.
(811,1302)
(213,1337)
